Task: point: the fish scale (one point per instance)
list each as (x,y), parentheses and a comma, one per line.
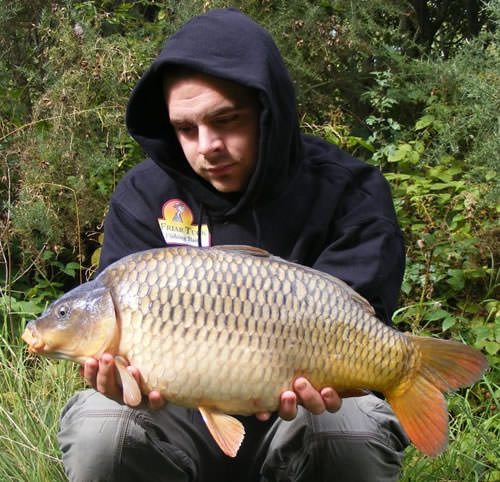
(266,312)
(227,329)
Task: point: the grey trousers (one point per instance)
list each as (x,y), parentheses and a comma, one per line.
(102,440)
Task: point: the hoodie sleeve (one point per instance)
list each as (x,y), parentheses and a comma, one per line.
(365,246)
(370,258)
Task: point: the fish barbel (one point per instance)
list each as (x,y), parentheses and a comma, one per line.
(227,329)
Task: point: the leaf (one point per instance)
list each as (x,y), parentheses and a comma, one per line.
(396,156)
(457,279)
(437,314)
(96,256)
(424,122)
(354,140)
(456,283)
(492,347)
(444,173)
(490,175)
(47,255)
(406,287)
(444,197)
(401,152)
(32,307)
(397,176)
(482,333)
(448,323)
(419,146)
(437,186)
(70,268)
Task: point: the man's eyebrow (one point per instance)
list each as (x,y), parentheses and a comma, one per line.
(228,109)
(224,110)
(179,122)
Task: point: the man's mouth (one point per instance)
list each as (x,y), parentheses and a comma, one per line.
(220,170)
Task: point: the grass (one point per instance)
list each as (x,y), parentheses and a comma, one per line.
(32,394)
(34,390)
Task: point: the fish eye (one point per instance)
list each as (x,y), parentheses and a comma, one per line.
(62,312)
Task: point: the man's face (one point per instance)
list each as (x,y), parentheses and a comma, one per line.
(217,125)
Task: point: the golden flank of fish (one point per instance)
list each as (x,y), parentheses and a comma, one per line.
(227,329)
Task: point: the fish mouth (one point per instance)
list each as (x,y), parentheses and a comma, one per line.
(35,345)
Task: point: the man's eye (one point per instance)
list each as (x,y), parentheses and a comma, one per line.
(184,129)
(227,120)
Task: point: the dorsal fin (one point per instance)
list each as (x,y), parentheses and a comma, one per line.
(243,249)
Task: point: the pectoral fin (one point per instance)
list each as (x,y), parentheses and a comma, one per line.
(132,395)
(227,431)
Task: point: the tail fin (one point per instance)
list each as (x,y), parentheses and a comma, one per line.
(421,409)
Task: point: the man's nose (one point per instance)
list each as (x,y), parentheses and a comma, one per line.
(209,140)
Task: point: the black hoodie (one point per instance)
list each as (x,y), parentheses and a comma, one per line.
(306,201)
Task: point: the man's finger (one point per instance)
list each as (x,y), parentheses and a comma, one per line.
(288,405)
(156,400)
(106,377)
(263,416)
(309,396)
(331,399)
(90,371)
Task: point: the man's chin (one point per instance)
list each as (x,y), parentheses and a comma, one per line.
(226,188)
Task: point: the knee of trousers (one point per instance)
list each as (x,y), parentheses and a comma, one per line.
(91,436)
(101,440)
(363,441)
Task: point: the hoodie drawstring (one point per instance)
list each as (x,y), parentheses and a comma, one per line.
(200,224)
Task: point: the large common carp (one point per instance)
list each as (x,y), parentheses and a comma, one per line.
(227,329)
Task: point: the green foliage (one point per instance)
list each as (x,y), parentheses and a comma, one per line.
(22,297)
(32,394)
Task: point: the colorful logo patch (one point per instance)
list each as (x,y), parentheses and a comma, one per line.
(177,225)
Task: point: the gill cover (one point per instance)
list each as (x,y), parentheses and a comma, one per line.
(78,325)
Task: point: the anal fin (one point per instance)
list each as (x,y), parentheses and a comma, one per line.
(227,431)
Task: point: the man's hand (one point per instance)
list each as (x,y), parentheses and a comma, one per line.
(101,375)
(305,394)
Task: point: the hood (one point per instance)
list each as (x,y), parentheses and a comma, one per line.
(226,44)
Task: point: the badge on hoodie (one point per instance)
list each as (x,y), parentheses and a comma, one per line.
(177,225)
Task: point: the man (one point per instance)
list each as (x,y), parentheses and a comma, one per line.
(228,165)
